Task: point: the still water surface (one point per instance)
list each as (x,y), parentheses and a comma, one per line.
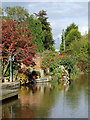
(50,100)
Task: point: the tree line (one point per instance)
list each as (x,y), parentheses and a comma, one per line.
(74,54)
(24,35)
(76,45)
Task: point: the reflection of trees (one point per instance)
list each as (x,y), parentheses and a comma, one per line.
(14,109)
(39,98)
(76,91)
(33,102)
(5,112)
(7,108)
(83,80)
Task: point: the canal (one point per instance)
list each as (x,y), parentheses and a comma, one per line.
(50,100)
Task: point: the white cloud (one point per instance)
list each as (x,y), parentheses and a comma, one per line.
(31,5)
(83,29)
(45,1)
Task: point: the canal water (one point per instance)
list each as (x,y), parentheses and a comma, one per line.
(50,100)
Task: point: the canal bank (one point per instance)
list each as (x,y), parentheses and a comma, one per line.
(9,90)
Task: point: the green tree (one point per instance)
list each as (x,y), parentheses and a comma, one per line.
(48,59)
(62,38)
(36,29)
(16,13)
(80,50)
(46,30)
(70,27)
(73,34)
(67,31)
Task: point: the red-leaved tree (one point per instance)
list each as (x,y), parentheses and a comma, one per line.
(17,42)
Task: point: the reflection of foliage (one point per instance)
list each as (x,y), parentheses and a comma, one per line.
(23,90)
(77,87)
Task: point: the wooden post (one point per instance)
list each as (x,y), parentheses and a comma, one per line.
(11,59)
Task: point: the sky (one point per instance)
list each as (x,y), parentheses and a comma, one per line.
(60,15)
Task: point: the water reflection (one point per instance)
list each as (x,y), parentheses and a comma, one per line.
(32,103)
(50,100)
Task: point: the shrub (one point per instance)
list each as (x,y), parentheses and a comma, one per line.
(68,62)
(38,73)
(48,59)
(22,77)
(56,74)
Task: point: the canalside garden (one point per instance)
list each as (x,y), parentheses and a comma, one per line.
(26,36)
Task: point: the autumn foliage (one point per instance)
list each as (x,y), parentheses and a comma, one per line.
(17,41)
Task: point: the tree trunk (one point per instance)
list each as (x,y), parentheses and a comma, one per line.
(4,71)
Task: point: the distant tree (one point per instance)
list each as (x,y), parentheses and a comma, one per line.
(36,29)
(16,42)
(62,45)
(67,31)
(80,51)
(73,34)
(16,13)
(46,30)
(70,27)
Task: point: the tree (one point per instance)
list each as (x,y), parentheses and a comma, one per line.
(16,42)
(79,49)
(16,13)
(36,29)
(48,59)
(62,38)
(67,31)
(73,34)
(46,30)
(70,27)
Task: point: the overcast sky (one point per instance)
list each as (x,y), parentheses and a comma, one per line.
(60,15)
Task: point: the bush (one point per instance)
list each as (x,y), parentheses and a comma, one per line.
(56,74)
(38,73)
(68,62)
(22,77)
(48,59)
